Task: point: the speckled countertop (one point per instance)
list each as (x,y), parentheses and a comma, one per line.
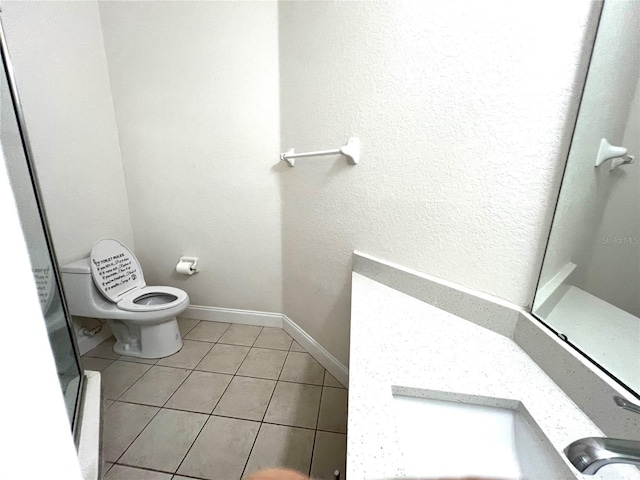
(397,340)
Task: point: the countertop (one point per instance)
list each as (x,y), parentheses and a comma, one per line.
(397,340)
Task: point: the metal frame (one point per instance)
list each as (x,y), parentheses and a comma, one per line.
(8,70)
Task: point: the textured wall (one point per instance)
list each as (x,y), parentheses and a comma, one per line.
(60,66)
(597,203)
(196,94)
(465,112)
(614,267)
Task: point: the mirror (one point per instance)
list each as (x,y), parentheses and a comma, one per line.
(589,287)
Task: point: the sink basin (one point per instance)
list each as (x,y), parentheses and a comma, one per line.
(442,438)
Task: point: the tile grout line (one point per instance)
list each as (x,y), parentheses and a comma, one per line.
(242,345)
(192,444)
(209,415)
(142,468)
(228,416)
(148,469)
(154,406)
(255,440)
(174,392)
(191,370)
(230,381)
(208,341)
(136,381)
(150,368)
(315,434)
(213,344)
(139,433)
(187,332)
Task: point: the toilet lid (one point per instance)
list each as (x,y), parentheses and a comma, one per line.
(115,269)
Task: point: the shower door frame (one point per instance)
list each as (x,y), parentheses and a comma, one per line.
(26,146)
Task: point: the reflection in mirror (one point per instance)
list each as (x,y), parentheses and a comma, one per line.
(589,288)
(12,151)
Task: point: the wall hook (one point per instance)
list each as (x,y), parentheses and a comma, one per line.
(617,155)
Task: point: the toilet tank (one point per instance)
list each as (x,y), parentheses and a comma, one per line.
(79,290)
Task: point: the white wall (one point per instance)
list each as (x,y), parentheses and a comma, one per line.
(60,66)
(465,112)
(591,196)
(613,272)
(195,87)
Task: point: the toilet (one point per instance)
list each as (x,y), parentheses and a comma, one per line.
(109,284)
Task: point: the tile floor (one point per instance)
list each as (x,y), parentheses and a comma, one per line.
(235,399)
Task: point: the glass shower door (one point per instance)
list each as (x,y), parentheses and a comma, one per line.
(15,151)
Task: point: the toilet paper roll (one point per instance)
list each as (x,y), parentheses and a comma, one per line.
(185,268)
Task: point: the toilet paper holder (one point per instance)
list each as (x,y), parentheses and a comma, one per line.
(192,261)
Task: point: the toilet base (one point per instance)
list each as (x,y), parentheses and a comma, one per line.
(146,341)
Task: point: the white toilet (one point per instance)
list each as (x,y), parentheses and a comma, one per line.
(109,284)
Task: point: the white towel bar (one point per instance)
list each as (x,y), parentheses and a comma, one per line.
(351,150)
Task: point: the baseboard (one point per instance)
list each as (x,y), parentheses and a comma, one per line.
(268,319)
(230,315)
(551,293)
(317,351)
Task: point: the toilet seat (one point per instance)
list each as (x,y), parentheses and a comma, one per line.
(117,274)
(129,304)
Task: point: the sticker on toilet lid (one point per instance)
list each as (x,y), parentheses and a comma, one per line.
(115,269)
(43,276)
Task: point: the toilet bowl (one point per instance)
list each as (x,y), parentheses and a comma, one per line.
(109,284)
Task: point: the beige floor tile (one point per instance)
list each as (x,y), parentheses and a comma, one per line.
(329,455)
(107,467)
(208,331)
(156,386)
(122,424)
(119,376)
(186,324)
(296,347)
(333,410)
(245,398)
(330,381)
(200,392)
(263,363)
(271,337)
(189,356)
(120,472)
(278,446)
(294,404)
(95,363)
(104,350)
(221,450)
(165,441)
(106,403)
(148,361)
(302,368)
(241,335)
(223,359)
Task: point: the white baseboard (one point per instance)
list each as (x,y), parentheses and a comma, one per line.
(551,293)
(230,315)
(317,351)
(268,319)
